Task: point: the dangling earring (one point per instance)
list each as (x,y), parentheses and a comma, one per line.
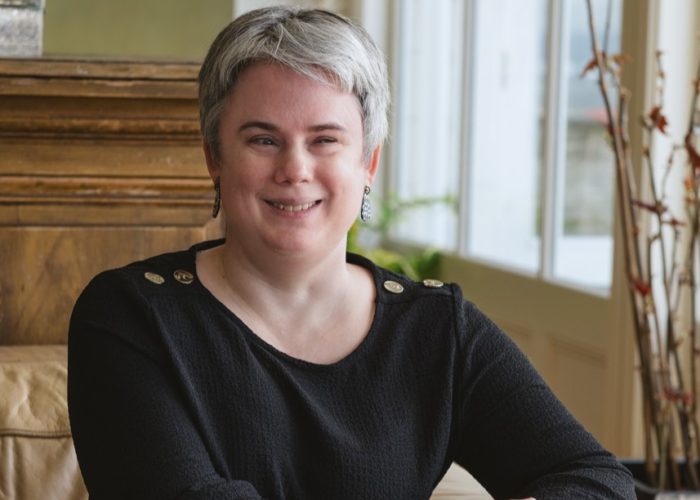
(217,198)
(366,210)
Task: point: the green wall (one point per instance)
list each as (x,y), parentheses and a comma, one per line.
(152,29)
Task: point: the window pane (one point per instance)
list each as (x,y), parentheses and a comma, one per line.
(505,129)
(428,108)
(584,246)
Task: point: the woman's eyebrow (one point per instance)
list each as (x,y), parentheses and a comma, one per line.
(272,128)
(327,126)
(257,124)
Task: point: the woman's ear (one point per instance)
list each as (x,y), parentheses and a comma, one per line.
(212,162)
(373,165)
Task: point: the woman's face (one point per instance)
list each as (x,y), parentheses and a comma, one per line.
(290,163)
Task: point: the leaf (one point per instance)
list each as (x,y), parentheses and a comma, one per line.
(657,208)
(693,155)
(689,184)
(592,64)
(427,263)
(658,120)
(620,59)
(678,396)
(674,223)
(352,245)
(642,287)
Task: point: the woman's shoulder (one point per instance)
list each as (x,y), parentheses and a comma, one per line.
(158,272)
(432,295)
(394,287)
(139,275)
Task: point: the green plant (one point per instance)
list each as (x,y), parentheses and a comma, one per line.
(416,265)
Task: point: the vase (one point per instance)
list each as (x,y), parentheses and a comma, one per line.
(21,28)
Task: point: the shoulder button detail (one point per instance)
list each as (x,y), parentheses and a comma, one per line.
(393,286)
(184,277)
(430,283)
(154,278)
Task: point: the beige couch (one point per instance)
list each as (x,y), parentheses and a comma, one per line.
(37,459)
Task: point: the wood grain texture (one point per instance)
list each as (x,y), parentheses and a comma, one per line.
(98,69)
(100,165)
(145,159)
(44,270)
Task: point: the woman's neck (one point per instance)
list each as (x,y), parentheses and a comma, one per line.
(286,275)
(318,311)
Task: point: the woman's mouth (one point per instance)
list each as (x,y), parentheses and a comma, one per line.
(288,207)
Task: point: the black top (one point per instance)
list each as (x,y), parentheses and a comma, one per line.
(172,395)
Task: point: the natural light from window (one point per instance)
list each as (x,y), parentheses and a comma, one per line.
(491,108)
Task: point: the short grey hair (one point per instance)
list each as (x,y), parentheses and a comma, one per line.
(319,44)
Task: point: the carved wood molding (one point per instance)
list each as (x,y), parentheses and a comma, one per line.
(98,134)
(99,69)
(105,191)
(100,165)
(100,128)
(75,99)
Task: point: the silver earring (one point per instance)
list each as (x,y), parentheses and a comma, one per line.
(217,198)
(366,210)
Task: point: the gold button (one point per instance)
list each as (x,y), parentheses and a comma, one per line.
(154,278)
(430,283)
(393,286)
(184,277)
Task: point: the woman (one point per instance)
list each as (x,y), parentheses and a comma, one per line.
(273,365)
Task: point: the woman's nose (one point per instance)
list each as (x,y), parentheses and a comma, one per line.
(294,166)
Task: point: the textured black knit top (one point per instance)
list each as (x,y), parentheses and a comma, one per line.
(172,396)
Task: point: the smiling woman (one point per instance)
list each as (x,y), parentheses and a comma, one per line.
(290,168)
(274,364)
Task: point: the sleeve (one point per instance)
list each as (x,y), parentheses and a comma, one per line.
(133,436)
(514,435)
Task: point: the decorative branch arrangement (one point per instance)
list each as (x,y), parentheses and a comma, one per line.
(661,253)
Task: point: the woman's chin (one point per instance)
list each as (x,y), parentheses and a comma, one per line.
(308,246)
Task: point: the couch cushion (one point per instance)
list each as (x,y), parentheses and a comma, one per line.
(34,391)
(458,484)
(37,459)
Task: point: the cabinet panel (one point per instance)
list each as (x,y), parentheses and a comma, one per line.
(101,165)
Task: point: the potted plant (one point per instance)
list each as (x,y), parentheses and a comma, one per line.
(369,237)
(661,240)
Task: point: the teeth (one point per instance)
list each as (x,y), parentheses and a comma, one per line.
(293,208)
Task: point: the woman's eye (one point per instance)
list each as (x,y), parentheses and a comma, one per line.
(326,140)
(262,141)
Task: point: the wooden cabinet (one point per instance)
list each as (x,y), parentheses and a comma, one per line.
(100,164)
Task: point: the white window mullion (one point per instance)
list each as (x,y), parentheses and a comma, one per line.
(555,137)
(401,73)
(465,127)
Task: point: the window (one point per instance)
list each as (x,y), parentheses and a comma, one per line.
(427,131)
(491,108)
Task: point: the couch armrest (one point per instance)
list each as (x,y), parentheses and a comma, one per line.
(37,459)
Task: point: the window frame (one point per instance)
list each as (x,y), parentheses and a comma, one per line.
(552,189)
